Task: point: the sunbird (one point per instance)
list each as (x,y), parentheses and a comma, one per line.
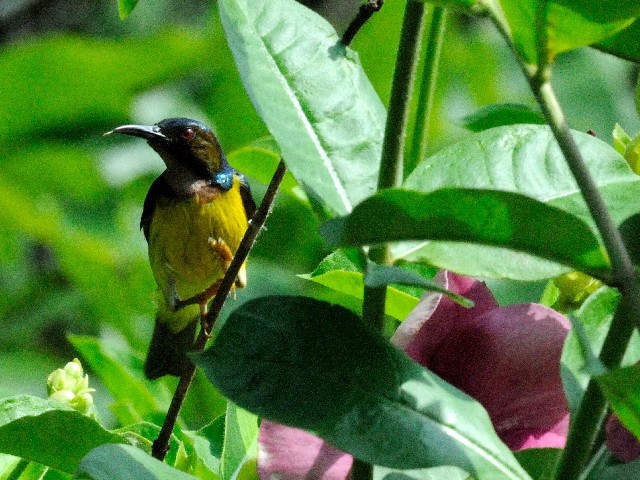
(194,217)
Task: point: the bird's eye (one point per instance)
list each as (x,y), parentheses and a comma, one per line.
(188,134)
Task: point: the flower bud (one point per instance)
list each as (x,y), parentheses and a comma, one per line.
(70,386)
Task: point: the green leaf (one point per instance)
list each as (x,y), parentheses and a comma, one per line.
(538,462)
(124,387)
(500,219)
(501,114)
(625,44)
(124,462)
(240,438)
(125,7)
(595,316)
(630,231)
(436,473)
(318,366)
(617,471)
(46,432)
(527,160)
(312,94)
(379,275)
(208,444)
(399,304)
(621,387)
(603,11)
(620,139)
(142,436)
(565,28)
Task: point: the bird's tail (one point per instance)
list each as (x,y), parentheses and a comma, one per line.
(168,350)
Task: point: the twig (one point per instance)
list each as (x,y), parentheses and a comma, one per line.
(161,444)
(364,14)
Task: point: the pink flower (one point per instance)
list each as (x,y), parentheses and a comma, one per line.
(507,358)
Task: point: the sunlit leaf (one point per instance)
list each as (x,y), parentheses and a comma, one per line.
(565,28)
(313,95)
(622,389)
(527,160)
(240,438)
(398,305)
(69,434)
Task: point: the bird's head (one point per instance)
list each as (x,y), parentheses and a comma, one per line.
(182,143)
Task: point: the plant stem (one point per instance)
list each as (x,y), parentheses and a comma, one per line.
(391,163)
(391,166)
(161,444)
(420,137)
(587,420)
(364,14)
(624,274)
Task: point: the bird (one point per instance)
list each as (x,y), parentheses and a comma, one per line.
(193,219)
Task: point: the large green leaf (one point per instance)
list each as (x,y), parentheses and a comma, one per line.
(527,160)
(49,433)
(124,462)
(486,217)
(565,23)
(312,94)
(625,44)
(317,366)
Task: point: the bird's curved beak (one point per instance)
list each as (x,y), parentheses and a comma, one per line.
(148,132)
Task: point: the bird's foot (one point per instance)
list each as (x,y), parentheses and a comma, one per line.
(203,298)
(220,247)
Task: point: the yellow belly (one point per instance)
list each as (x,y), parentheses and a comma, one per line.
(182,260)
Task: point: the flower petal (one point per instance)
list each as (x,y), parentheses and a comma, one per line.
(436,317)
(287,453)
(509,360)
(620,441)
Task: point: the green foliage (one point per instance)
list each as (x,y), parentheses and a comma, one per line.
(72,258)
(501,114)
(621,388)
(115,462)
(461,215)
(390,405)
(311,116)
(125,7)
(24,419)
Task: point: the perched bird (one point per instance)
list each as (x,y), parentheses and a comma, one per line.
(194,217)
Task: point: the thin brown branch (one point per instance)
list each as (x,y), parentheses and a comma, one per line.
(364,14)
(161,444)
